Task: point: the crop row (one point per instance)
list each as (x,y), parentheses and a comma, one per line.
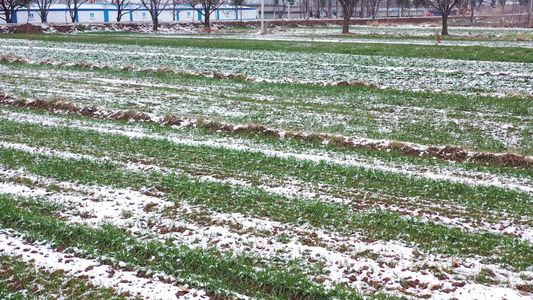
(460,76)
(223,198)
(479,123)
(238,180)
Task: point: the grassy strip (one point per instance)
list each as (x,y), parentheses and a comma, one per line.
(225,198)
(360,111)
(480,53)
(253,140)
(335,98)
(218,273)
(199,160)
(375,225)
(19,280)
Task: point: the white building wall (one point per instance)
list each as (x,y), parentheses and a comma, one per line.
(22,17)
(58,16)
(248,13)
(139,16)
(188,15)
(99,13)
(166,16)
(91,16)
(227,14)
(113,16)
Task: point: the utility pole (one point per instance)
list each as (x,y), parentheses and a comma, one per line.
(529,12)
(262,16)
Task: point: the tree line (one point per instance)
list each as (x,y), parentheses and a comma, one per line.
(308,8)
(155,7)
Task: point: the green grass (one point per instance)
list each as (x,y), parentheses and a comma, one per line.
(313,201)
(479,53)
(481,202)
(217,273)
(24,281)
(427,118)
(378,225)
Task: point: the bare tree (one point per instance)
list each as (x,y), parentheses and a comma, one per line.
(388,4)
(44,8)
(530,8)
(304,9)
(347,6)
(206,8)
(155,7)
(444,7)
(175,9)
(276,10)
(9,9)
(473,5)
(402,5)
(240,4)
(319,5)
(502,3)
(124,7)
(372,7)
(73,6)
(289,3)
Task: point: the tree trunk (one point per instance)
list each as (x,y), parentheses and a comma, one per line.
(346,24)
(444,24)
(347,13)
(503,7)
(207,15)
(155,26)
(9,16)
(529,12)
(9,12)
(43,15)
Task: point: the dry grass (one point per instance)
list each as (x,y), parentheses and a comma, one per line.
(506,160)
(8,58)
(129,68)
(131,115)
(171,120)
(164,69)
(55,104)
(89,111)
(449,152)
(47,62)
(355,83)
(250,128)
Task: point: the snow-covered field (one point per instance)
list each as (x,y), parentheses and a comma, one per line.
(495,78)
(193,210)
